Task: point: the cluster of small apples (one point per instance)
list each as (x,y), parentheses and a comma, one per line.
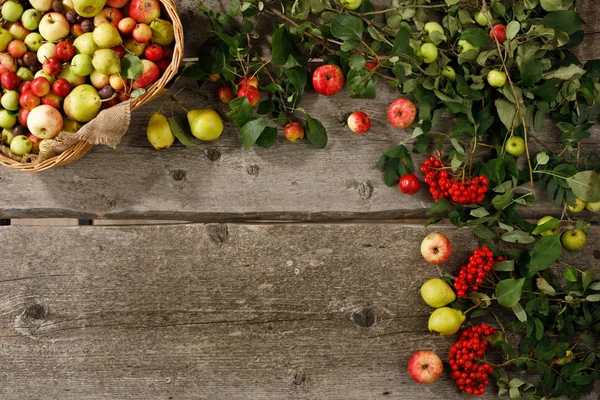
(433,35)
(571,238)
(60,62)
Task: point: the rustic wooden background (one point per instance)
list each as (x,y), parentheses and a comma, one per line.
(284,294)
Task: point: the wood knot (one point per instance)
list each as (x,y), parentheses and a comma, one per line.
(365,190)
(596,254)
(213,154)
(178,174)
(219,233)
(252,169)
(299,378)
(35,312)
(364,318)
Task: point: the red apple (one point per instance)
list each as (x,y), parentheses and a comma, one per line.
(251,93)
(225,94)
(251,80)
(64,51)
(425,367)
(154,52)
(17,30)
(10,80)
(61,87)
(8,63)
(142,33)
(53,100)
(163,64)
(29,101)
(213,77)
(117,3)
(293,131)
(359,122)
(77,30)
(52,66)
(40,86)
(148,77)
(126,25)
(328,79)
(436,248)
(25,86)
(370,64)
(500,31)
(46,122)
(23,115)
(17,48)
(119,50)
(401,113)
(144,11)
(111,15)
(409,184)
(35,141)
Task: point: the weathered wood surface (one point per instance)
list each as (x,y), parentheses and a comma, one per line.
(221,311)
(221,181)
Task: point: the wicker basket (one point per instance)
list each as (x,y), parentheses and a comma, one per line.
(155,90)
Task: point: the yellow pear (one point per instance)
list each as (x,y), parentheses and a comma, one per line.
(437,293)
(159,132)
(445,321)
(205,124)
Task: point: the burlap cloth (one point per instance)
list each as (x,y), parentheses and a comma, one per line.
(106,129)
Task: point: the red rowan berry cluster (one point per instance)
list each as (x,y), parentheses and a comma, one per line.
(472,274)
(468,371)
(445,185)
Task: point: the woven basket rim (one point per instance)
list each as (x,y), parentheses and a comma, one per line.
(79,149)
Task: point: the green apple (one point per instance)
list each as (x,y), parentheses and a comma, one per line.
(54,26)
(45,51)
(106,36)
(106,61)
(20,145)
(82,64)
(11,11)
(25,74)
(428,52)
(496,78)
(515,146)
(88,8)
(98,79)
(205,124)
(83,103)
(546,219)
(6,136)
(33,41)
(577,207)
(481,18)
(573,239)
(70,75)
(163,34)
(464,46)
(10,100)
(31,18)
(593,207)
(85,44)
(434,33)
(449,73)
(351,4)
(48,77)
(5,39)
(134,47)
(7,121)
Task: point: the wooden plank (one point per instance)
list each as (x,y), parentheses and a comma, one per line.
(221,181)
(221,311)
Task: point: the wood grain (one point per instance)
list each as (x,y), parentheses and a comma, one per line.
(284,311)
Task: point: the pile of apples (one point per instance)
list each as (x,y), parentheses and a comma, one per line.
(62,61)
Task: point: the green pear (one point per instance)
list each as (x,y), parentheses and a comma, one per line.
(162,32)
(88,8)
(106,61)
(445,321)
(69,74)
(83,103)
(7,136)
(85,44)
(106,36)
(205,124)
(159,132)
(437,293)
(70,126)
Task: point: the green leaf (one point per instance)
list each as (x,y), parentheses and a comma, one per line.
(546,252)
(402,42)
(483,232)
(315,132)
(512,29)
(281,45)
(531,72)
(556,5)
(193,71)
(586,186)
(252,130)
(595,286)
(519,312)
(545,287)
(508,292)
(593,298)
(565,73)
(181,129)
(565,20)
(241,111)
(477,37)
(507,112)
(267,138)
(131,67)
(518,236)
(539,329)
(570,274)
(297,77)
(505,266)
(356,61)
(546,226)
(347,27)
(587,277)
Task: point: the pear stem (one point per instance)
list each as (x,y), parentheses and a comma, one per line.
(474,307)
(179,104)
